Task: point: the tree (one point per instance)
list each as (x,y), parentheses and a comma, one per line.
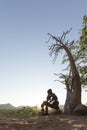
(79,53)
(73,88)
(76,76)
(82,53)
(83,37)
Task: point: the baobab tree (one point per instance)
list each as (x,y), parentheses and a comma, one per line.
(72,81)
(76,54)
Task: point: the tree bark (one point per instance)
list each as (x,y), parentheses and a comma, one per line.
(73,97)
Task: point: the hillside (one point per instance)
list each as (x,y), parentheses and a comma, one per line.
(6,106)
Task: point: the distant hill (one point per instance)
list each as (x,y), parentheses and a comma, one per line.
(6,106)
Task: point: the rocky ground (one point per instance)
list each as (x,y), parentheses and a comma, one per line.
(50,122)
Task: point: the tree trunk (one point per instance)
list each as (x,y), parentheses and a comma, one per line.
(71,102)
(73,97)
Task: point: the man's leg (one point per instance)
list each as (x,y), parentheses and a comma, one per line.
(55,105)
(44,110)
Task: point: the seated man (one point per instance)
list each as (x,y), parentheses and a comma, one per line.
(52,101)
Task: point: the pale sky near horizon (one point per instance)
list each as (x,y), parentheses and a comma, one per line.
(26,69)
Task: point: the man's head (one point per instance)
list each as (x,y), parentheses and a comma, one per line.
(49,91)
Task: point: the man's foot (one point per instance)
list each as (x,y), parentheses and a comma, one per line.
(46,110)
(42,110)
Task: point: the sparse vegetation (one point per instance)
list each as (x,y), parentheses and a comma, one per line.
(23,112)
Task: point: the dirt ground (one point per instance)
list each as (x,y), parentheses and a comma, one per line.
(50,122)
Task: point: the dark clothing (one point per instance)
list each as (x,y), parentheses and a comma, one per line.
(53,105)
(52,98)
(52,101)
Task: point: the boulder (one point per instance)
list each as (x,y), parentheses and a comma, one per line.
(80,109)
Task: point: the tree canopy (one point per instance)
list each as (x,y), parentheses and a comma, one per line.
(78,50)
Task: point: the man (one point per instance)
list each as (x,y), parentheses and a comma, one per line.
(52,101)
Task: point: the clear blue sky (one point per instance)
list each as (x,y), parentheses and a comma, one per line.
(26,70)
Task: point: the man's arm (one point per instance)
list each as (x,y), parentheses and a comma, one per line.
(49,98)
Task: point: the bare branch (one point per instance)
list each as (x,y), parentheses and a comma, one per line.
(64,34)
(60,81)
(48,39)
(57,39)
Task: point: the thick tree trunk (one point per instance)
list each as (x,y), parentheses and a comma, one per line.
(74,94)
(72,100)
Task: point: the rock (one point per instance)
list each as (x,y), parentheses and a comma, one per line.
(80,109)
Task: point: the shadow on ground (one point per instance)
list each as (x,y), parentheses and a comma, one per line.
(50,122)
